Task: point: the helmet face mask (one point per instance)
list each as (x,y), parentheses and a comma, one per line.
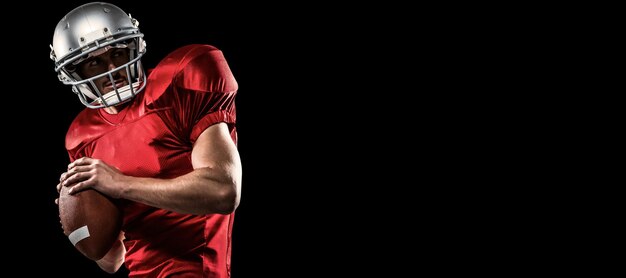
(91,30)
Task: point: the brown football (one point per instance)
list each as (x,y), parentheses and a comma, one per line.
(91,221)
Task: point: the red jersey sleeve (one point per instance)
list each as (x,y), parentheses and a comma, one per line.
(201,89)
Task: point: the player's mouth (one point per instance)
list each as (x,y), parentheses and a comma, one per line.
(108,86)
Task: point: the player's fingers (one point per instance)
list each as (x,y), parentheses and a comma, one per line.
(59,187)
(73,190)
(62,176)
(81,161)
(78,187)
(76,177)
(56,201)
(76,169)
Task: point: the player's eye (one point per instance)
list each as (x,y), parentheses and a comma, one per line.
(93,63)
(119,53)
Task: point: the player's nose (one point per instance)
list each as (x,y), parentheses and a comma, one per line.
(111,65)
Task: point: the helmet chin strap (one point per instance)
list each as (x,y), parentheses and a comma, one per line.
(112,98)
(121,95)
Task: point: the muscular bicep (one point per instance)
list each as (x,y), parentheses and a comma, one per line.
(215,149)
(216,161)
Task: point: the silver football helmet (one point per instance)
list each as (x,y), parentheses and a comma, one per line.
(90,30)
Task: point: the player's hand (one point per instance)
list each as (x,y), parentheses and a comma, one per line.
(87,172)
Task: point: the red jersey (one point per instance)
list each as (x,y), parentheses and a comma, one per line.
(189,90)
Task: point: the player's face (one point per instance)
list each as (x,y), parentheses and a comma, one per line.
(104,62)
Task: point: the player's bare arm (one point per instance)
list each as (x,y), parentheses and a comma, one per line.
(214,186)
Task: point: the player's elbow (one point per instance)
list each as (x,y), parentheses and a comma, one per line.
(228,198)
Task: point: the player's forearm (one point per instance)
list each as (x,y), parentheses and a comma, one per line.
(202,191)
